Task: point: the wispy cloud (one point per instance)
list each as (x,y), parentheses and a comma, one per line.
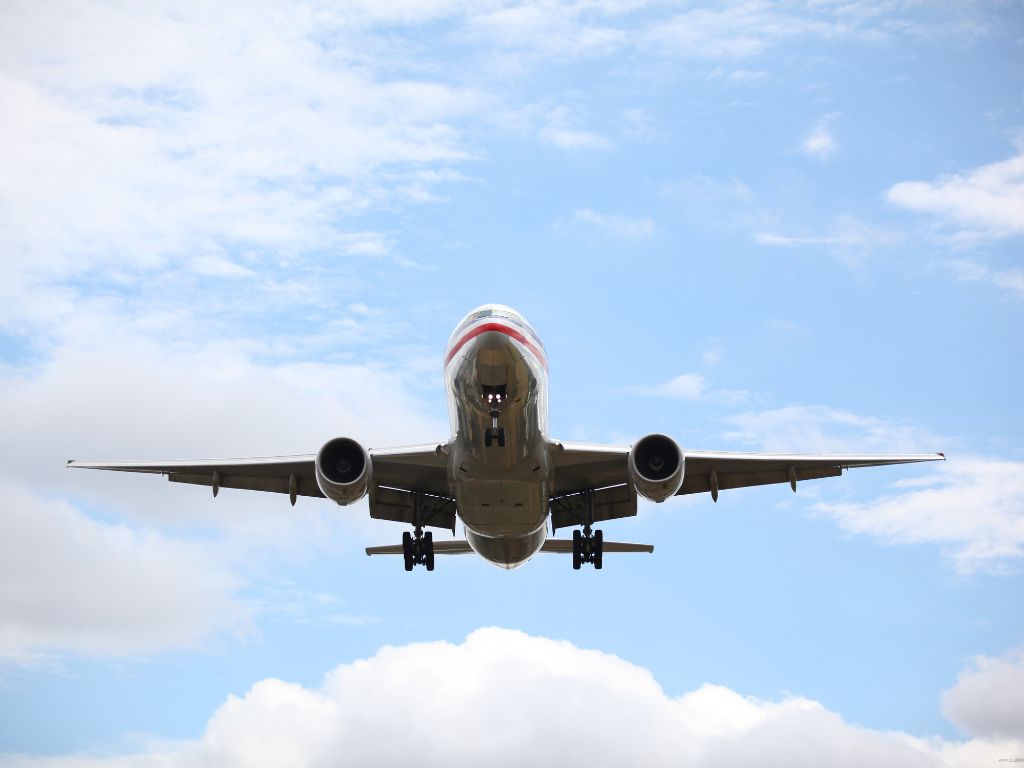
(562,128)
(604,225)
(974,507)
(848,239)
(822,429)
(694,386)
(987,201)
(819,143)
(974,271)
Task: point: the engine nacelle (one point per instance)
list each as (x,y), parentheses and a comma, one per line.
(343,470)
(656,467)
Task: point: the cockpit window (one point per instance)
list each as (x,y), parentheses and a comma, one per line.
(498,312)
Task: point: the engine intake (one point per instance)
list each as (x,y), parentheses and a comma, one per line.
(343,470)
(656,467)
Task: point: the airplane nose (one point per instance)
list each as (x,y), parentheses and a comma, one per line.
(494,341)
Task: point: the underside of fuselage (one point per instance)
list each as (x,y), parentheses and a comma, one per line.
(499,461)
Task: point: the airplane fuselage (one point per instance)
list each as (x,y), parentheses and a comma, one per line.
(499,460)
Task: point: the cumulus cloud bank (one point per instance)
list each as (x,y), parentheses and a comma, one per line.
(502,697)
(988,698)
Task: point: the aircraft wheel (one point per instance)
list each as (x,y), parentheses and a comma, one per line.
(598,550)
(577,550)
(488,437)
(501,437)
(428,548)
(407,550)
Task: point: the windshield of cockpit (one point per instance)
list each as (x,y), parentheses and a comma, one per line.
(501,313)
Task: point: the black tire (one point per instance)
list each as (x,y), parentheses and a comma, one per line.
(598,550)
(428,546)
(501,437)
(407,550)
(577,550)
(488,437)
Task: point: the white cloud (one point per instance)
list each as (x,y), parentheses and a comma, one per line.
(693,386)
(987,201)
(721,203)
(988,698)
(251,129)
(561,128)
(510,694)
(849,239)
(821,429)
(73,583)
(972,506)
(1011,280)
(686,386)
(745,30)
(168,573)
(819,143)
(604,225)
(701,188)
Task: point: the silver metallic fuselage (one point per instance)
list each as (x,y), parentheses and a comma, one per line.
(495,364)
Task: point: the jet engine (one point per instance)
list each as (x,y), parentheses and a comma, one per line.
(656,467)
(343,470)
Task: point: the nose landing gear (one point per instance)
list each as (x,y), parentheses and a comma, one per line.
(418,549)
(494,396)
(587,547)
(494,432)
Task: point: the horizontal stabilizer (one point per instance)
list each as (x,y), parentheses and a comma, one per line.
(564,546)
(461,547)
(457,547)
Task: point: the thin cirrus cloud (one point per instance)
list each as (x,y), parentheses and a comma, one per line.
(562,127)
(603,225)
(693,387)
(368,712)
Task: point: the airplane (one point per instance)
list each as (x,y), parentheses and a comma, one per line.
(500,472)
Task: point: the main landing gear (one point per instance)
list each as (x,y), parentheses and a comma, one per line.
(587,547)
(418,549)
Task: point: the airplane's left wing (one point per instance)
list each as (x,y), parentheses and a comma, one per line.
(294,475)
(413,469)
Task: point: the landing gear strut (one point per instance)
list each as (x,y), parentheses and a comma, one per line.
(418,549)
(494,432)
(587,547)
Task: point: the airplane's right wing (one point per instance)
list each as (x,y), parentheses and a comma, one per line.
(712,471)
(600,468)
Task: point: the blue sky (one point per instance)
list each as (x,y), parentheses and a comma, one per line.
(753,226)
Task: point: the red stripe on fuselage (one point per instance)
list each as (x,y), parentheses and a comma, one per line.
(500,328)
